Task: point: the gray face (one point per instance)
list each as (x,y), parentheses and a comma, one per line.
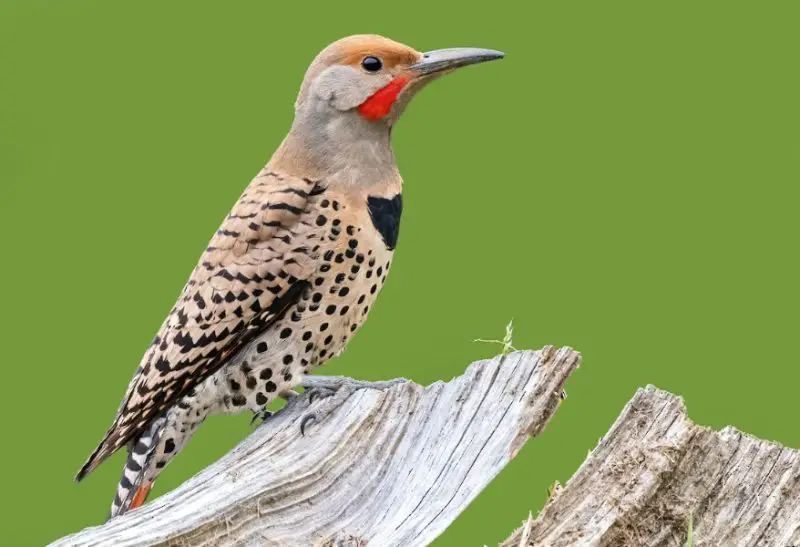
(346,87)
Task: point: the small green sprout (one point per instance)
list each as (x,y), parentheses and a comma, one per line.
(506,342)
(690,533)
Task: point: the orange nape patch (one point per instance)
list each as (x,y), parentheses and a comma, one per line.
(379,104)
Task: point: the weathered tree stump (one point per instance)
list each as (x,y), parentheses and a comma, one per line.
(383,464)
(655,470)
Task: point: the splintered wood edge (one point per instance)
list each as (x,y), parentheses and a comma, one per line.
(655,470)
(392,466)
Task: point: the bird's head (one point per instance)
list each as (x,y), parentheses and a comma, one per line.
(352,94)
(374,77)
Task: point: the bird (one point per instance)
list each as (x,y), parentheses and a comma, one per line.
(295,267)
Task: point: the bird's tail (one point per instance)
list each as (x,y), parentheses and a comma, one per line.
(139,472)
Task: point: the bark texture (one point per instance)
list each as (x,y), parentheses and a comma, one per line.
(381,464)
(655,469)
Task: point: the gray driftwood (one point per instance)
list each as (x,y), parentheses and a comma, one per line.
(390,466)
(655,470)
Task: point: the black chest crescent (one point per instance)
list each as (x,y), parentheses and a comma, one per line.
(385,215)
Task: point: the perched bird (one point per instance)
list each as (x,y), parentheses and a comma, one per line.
(294,269)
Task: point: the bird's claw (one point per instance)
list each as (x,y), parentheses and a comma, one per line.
(314,394)
(319,393)
(264,414)
(306,420)
(322,387)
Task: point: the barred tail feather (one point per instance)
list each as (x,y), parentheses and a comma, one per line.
(137,475)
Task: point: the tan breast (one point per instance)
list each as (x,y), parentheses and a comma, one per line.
(350,275)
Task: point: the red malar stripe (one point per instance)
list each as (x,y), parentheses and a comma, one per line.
(380,103)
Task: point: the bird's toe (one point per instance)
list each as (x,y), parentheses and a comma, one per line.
(307,420)
(264,414)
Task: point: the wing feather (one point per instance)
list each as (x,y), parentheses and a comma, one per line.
(254,268)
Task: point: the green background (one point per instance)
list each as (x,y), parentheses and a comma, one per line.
(624,182)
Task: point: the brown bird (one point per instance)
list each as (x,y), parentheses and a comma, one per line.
(294,269)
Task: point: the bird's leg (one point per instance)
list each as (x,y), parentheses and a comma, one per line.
(263,414)
(320,387)
(287,395)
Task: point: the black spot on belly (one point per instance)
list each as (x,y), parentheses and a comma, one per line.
(385,215)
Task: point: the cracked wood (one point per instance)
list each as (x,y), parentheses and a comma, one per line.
(655,469)
(390,466)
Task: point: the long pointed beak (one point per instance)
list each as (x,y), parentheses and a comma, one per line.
(448,59)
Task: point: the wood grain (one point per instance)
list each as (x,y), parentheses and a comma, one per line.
(387,464)
(655,469)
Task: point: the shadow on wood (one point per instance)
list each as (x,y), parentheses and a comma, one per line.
(388,466)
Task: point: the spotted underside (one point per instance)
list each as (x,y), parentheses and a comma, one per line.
(313,330)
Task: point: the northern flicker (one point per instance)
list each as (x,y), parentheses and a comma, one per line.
(294,269)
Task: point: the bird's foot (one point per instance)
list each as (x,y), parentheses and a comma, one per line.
(264,414)
(328,385)
(322,387)
(287,395)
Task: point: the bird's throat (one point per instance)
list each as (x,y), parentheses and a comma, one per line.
(379,104)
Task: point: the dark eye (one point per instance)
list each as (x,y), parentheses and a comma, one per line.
(372,64)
